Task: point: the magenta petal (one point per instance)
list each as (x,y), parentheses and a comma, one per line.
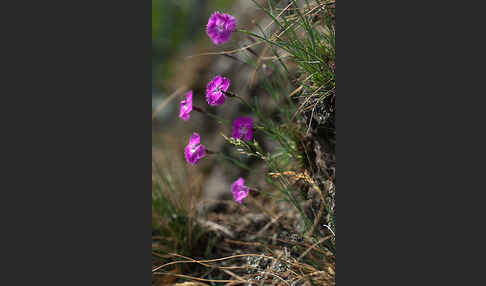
(219,99)
(189,97)
(236,131)
(225,83)
(182,114)
(238,183)
(186,106)
(191,157)
(218,80)
(201,151)
(195,139)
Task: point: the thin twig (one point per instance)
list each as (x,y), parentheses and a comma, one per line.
(198,279)
(314,245)
(209,260)
(225,52)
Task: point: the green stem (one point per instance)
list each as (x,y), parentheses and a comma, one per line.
(203,111)
(230,94)
(232,160)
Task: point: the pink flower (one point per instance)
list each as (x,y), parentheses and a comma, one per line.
(243,128)
(219,27)
(194,150)
(186,106)
(239,190)
(215,90)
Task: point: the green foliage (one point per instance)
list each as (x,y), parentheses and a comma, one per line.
(173,27)
(174,228)
(308,37)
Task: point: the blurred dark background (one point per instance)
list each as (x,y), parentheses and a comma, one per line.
(177,25)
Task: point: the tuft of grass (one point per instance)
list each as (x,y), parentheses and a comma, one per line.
(175,228)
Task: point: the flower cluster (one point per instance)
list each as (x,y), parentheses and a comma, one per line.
(219,29)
